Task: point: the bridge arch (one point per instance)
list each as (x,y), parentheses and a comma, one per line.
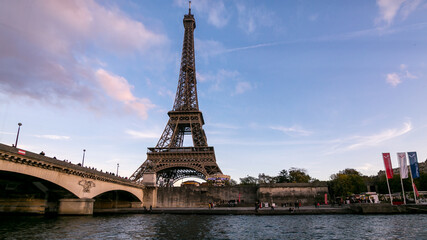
(73,181)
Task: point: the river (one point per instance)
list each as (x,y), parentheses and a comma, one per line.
(169,226)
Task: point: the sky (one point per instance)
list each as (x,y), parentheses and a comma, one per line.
(319,85)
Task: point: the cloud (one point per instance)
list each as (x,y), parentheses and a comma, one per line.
(166,92)
(223,126)
(372,140)
(208,48)
(409,7)
(371,32)
(295,130)
(215,11)
(242,87)
(357,142)
(119,89)
(249,19)
(395,79)
(53,137)
(142,135)
(7,133)
(390,8)
(44,48)
(222,76)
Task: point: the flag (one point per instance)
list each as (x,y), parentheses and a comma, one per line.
(387,164)
(22,152)
(401,157)
(413,162)
(415,189)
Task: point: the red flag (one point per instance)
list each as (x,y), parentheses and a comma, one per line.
(416,190)
(387,164)
(22,152)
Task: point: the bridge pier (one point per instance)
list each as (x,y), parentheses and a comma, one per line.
(149,179)
(150,197)
(71,206)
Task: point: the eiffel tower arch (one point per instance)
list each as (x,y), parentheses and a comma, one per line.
(170,161)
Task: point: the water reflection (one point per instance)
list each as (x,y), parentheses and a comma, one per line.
(215,227)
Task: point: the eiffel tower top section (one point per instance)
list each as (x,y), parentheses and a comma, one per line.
(186,94)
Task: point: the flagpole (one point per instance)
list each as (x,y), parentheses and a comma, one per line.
(389,192)
(403,190)
(415,196)
(388,169)
(413,163)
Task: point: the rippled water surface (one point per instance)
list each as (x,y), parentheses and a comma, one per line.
(215,227)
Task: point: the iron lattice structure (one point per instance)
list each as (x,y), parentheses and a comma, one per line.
(170,160)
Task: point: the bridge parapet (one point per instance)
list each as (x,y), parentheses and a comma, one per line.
(21,156)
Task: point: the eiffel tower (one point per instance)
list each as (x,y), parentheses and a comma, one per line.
(170,161)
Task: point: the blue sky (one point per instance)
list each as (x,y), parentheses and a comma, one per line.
(320,85)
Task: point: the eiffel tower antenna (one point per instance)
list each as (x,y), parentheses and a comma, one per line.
(170,161)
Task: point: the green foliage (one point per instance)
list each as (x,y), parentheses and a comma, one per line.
(395,185)
(231,182)
(421,182)
(294,175)
(283,177)
(298,175)
(346,183)
(249,180)
(265,179)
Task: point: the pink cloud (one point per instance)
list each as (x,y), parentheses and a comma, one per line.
(44,45)
(393,79)
(119,89)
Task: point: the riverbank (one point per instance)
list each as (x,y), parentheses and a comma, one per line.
(306,210)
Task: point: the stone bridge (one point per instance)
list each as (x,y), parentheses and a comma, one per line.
(31,182)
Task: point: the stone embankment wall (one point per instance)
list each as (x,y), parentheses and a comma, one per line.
(281,193)
(192,196)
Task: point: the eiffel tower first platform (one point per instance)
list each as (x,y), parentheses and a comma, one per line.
(170,161)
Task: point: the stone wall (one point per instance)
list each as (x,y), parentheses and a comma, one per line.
(22,205)
(281,193)
(193,196)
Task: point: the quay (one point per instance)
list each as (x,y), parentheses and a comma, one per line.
(305,210)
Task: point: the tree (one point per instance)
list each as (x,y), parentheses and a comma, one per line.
(298,175)
(249,180)
(231,182)
(396,186)
(346,182)
(283,177)
(265,179)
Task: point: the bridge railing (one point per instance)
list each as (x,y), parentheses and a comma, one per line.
(65,164)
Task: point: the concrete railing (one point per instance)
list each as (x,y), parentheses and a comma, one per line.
(37,160)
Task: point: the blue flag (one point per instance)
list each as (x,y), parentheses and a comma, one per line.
(413,161)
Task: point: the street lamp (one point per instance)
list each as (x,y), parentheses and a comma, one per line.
(83,160)
(117,172)
(17,135)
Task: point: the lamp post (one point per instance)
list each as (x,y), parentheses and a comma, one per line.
(83,160)
(117,172)
(17,135)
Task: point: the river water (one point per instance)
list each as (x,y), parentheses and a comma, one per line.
(169,226)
